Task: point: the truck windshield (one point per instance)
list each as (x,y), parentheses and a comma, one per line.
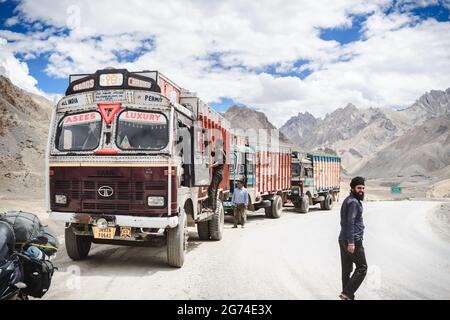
(296,170)
(140,130)
(79,132)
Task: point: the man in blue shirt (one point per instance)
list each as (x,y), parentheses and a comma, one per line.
(240,203)
(351,240)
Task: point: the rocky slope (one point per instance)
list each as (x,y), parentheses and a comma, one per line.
(24,119)
(419,152)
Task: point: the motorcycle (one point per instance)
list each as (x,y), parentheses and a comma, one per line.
(25,269)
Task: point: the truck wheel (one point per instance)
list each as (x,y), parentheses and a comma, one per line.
(77,246)
(277,205)
(268,211)
(327,204)
(177,242)
(304,204)
(203,230)
(216,223)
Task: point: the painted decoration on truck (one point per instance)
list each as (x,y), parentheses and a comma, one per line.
(73,101)
(82,118)
(108,111)
(143,117)
(145,97)
(138,83)
(110,95)
(89,84)
(111,79)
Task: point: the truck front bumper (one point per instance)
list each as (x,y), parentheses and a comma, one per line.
(119,220)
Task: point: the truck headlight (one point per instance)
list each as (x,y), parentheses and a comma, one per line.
(60,199)
(153,201)
(102,223)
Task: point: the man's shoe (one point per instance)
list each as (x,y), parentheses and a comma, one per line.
(343,296)
(234,227)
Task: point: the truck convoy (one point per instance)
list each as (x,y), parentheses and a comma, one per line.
(315,179)
(129,157)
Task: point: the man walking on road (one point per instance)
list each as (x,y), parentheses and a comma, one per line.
(240,202)
(351,240)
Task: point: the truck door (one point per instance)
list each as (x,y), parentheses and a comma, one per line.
(249,169)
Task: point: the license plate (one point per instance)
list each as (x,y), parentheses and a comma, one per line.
(107,233)
(227,204)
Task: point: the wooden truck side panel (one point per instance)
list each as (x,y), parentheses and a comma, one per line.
(326,172)
(273,170)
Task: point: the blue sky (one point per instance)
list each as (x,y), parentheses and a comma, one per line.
(234,63)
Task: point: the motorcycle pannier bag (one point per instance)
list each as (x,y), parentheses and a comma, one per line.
(38,276)
(7,240)
(52,245)
(26,225)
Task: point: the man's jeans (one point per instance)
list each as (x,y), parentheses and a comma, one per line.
(213,187)
(240,214)
(351,283)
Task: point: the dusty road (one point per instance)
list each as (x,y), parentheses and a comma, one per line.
(295,257)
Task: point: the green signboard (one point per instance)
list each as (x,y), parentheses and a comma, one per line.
(396,189)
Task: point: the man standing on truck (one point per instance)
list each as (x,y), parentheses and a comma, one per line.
(351,240)
(217,166)
(240,203)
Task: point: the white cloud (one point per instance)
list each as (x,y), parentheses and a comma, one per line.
(15,70)
(222,49)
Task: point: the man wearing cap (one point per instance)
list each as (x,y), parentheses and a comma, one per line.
(351,240)
(240,202)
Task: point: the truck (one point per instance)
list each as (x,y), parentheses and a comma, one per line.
(265,170)
(128,163)
(315,179)
(128,160)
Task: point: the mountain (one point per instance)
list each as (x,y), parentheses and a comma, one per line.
(420,151)
(242,117)
(430,105)
(24,119)
(296,128)
(360,135)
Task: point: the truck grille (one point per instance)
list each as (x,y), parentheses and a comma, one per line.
(106,206)
(70,187)
(125,193)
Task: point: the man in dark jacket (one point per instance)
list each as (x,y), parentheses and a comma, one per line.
(351,240)
(219,160)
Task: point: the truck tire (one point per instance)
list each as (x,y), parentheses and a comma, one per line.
(203,230)
(77,246)
(277,205)
(304,204)
(327,204)
(177,242)
(268,211)
(216,223)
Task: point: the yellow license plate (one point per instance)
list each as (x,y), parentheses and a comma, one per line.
(107,233)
